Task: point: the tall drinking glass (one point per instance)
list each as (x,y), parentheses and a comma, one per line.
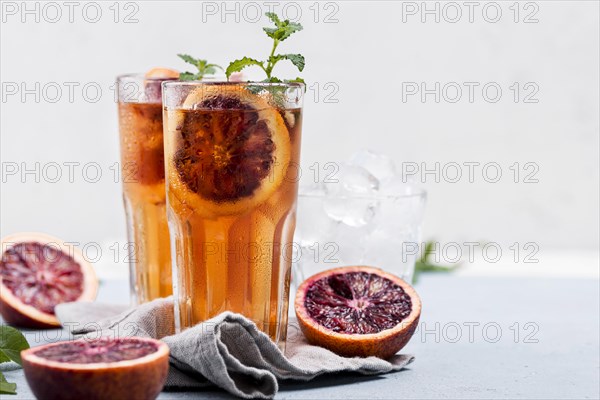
(143,176)
(232,166)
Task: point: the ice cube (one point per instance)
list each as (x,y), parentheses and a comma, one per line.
(351,196)
(351,180)
(351,211)
(380,166)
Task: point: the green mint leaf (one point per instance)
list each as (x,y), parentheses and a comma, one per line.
(238,65)
(204,68)
(283,32)
(4,358)
(424,265)
(283,29)
(427,252)
(415,278)
(296,80)
(11,343)
(211,69)
(213,66)
(187,76)
(271,32)
(428,267)
(273,17)
(188,59)
(296,59)
(288,29)
(202,65)
(6,387)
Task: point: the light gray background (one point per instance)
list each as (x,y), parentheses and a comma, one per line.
(368,54)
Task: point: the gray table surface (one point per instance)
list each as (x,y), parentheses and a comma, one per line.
(480,338)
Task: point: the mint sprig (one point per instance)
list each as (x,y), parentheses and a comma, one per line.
(204,68)
(281,31)
(238,65)
(12,342)
(425,265)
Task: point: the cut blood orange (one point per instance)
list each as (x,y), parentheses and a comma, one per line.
(37,272)
(152,91)
(358,311)
(103,368)
(230,151)
(162,73)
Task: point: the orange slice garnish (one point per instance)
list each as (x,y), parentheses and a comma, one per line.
(229,150)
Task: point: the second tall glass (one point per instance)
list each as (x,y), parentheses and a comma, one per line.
(143,176)
(232,166)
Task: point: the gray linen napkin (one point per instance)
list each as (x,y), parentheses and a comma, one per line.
(228,350)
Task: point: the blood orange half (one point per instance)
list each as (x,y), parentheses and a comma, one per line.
(103,368)
(37,272)
(358,311)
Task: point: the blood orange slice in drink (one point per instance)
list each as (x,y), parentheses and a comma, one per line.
(37,272)
(103,368)
(230,148)
(358,311)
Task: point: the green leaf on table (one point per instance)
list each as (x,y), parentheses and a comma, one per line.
(423,264)
(11,343)
(7,387)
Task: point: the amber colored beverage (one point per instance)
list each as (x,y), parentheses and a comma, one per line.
(143,176)
(232,154)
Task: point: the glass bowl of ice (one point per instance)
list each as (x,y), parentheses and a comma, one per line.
(361,213)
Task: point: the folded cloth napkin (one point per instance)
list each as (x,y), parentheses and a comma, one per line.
(228,350)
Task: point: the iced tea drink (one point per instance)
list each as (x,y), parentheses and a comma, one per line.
(231,154)
(143,177)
